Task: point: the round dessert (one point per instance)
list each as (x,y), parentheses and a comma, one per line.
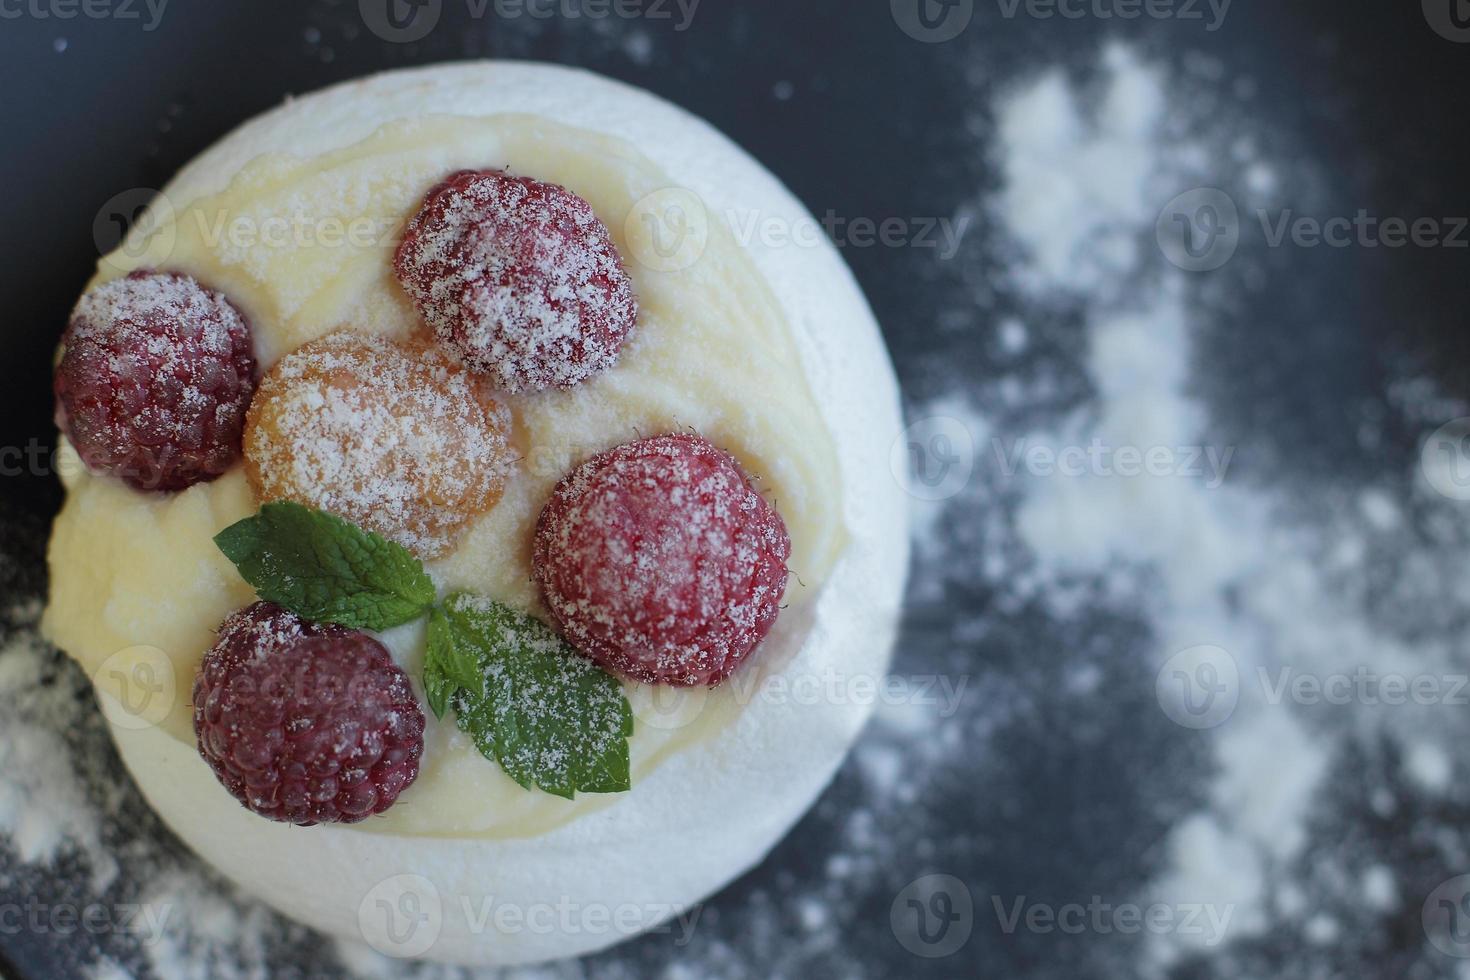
(484,299)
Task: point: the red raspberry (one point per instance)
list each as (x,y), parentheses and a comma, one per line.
(661,562)
(305,723)
(154,381)
(519,277)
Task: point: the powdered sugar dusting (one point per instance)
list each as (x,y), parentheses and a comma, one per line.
(550,717)
(661,562)
(203,316)
(76,838)
(306,723)
(1362,582)
(155,379)
(216,948)
(520,278)
(1281,588)
(397,439)
(44,810)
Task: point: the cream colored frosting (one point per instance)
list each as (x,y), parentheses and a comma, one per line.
(304,247)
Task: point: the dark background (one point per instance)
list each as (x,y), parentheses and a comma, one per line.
(875,127)
(878,125)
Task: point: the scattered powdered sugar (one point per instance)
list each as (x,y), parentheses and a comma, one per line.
(107,969)
(1072,192)
(77,840)
(398,439)
(1227,569)
(44,809)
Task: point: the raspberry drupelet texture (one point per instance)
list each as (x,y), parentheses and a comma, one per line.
(399,439)
(519,277)
(155,377)
(303,723)
(661,562)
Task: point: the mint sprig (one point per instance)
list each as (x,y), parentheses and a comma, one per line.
(326,569)
(552,719)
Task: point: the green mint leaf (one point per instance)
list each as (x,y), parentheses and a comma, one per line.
(326,569)
(438,688)
(552,719)
(450,663)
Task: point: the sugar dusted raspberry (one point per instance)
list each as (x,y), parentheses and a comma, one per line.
(154,380)
(400,439)
(661,562)
(306,724)
(519,277)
